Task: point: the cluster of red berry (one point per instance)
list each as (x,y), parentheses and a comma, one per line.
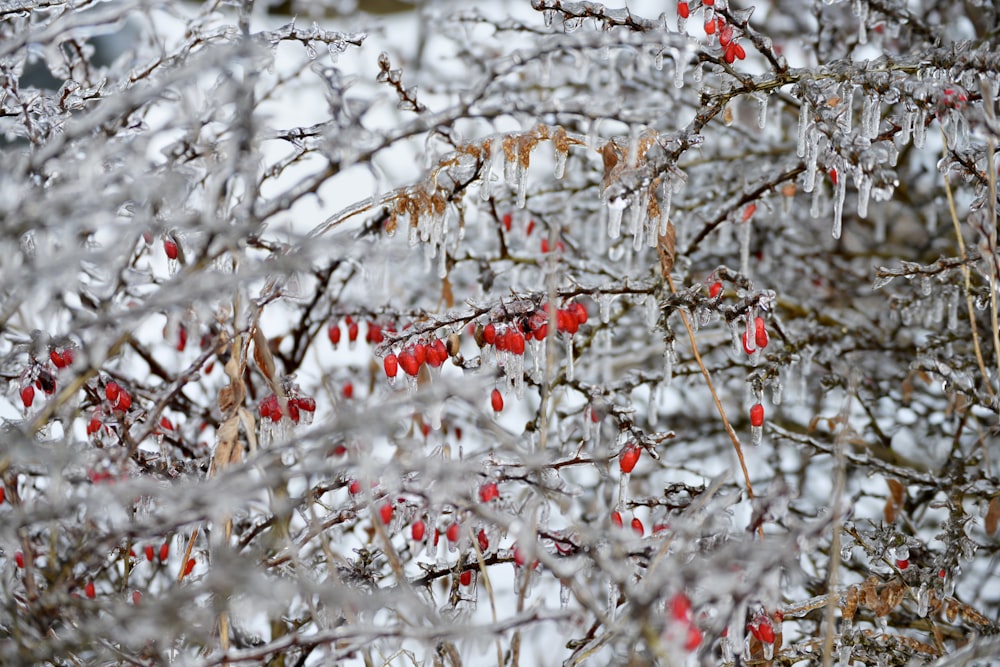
(714,23)
(270,408)
(374,335)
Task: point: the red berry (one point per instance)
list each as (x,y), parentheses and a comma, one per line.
(171,248)
(348,390)
(530,228)
(484,541)
(490,334)
(188,566)
(637,526)
(3,495)
(149,551)
(628,458)
(757,415)
(374,334)
(616,518)
(391,365)
(453,532)
(708,3)
(306,404)
(385,513)
(683,10)
(182,339)
(710,27)
(164,551)
(833,176)
(545,246)
(729,55)
(90,590)
(352,331)
(714,290)
(408,363)
(488,492)
(725,37)
(19,560)
(465,578)
(738,51)
(94,426)
(903,563)
(515,342)
(519,558)
(124,401)
(136,597)
(334,334)
(760,336)
(417,530)
(508,220)
(27,395)
(765,632)
(693,638)
(496,400)
(579,311)
(746,344)
(749,211)
(680,607)
(111,391)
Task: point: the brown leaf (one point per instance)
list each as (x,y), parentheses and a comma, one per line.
(447,295)
(889,511)
(262,355)
(897,491)
(227,448)
(665,248)
(992,516)
(609,153)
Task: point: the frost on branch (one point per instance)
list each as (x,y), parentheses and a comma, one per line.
(565,333)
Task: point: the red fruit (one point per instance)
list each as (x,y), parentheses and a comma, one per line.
(725,33)
(680,607)
(515,342)
(488,492)
(437,536)
(124,401)
(738,51)
(903,564)
(628,458)
(171,248)
(746,344)
(348,391)
(352,331)
(496,400)
(708,3)
(508,220)
(683,10)
(374,334)
(757,415)
(417,530)
(3,495)
(693,638)
(391,365)
(833,176)
(46,381)
(306,404)
(578,311)
(408,363)
(19,560)
(465,578)
(760,335)
(530,228)
(765,632)
(437,353)
(27,395)
(182,339)
(616,518)
(164,551)
(637,527)
(749,211)
(385,513)
(166,424)
(111,391)
(545,245)
(334,334)
(490,334)
(710,27)
(136,597)
(519,558)
(453,532)
(94,426)
(90,590)
(188,566)
(354,487)
(730,53)
(714,290)
(484,541)
(149,551)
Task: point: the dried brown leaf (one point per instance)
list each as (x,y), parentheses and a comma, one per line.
(992,516)
(262,355)
(889,511)
(227,448)
(665,248)
(896,491)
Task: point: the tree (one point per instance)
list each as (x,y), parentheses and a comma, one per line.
(570,336)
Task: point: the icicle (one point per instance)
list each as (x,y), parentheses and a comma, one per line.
(522,185)
(870,116)
(800,148)
(665,207)
(761,110)
(570,363)
(563,594)
(615,209)
(680,65)
(744,235)
(864,193)
(953,299)
(669,360)
(920,129)
(658,60)
(604,303)
(547,16)
(638,223)
(560,169)
(776,389)
(811,156)
(651,311)
(839,191)
(816,202)
(845,655)
(768,650)
(906,127)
